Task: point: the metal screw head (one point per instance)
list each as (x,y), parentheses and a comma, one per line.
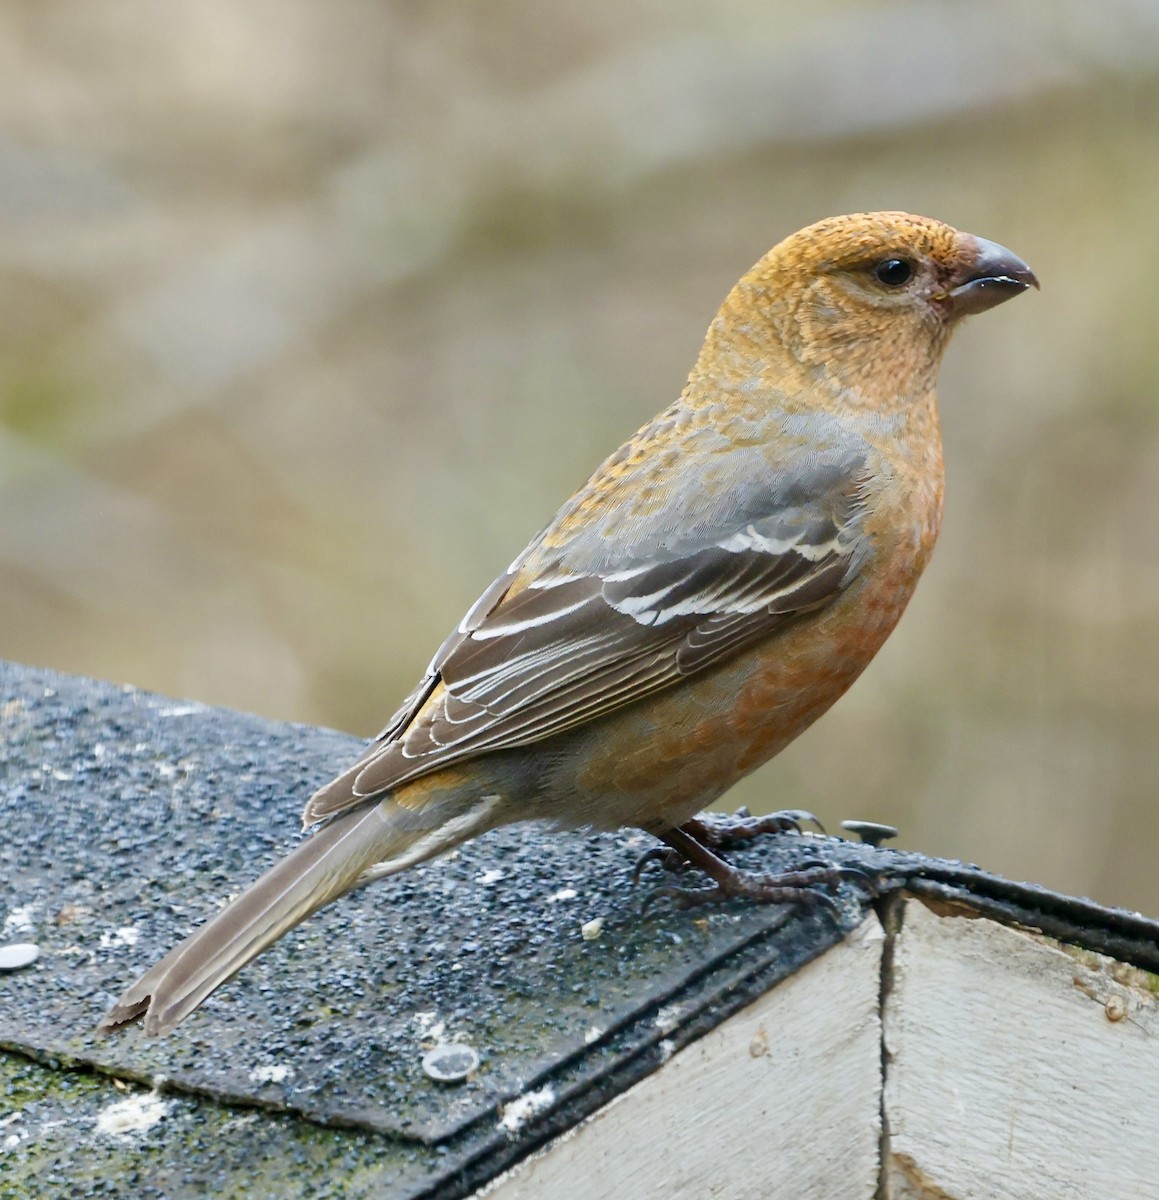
(870,832)
(451,1062)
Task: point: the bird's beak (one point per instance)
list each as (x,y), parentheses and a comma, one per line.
(995,275)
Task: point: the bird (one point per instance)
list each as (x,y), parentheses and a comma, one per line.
(710,591)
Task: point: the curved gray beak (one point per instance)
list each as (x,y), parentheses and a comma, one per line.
(995,275)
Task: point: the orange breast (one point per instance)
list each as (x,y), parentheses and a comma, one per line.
(666,758)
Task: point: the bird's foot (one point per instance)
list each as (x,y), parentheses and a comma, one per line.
(721,831)
(809,883)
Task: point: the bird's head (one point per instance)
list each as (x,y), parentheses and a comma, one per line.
(868,301)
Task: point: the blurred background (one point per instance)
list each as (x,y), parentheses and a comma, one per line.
(312,314)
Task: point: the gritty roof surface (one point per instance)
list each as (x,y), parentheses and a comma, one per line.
(127,818)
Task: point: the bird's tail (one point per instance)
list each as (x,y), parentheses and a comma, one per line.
(365,843)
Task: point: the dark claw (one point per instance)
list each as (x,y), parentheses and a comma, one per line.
(818,897)
(802,817)
(668,858)
(867,879)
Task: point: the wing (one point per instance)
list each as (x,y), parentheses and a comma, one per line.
(581,626)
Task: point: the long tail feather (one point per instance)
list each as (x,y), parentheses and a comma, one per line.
(329,863)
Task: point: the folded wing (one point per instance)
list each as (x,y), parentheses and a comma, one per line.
(576,630)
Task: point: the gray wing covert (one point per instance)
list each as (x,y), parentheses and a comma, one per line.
(574,631)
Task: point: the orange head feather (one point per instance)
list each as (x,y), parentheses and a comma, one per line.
(864,304)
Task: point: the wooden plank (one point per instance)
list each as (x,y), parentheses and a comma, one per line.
(1016,1069)
(781,1101)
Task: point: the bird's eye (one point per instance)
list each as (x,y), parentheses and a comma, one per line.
(893,272)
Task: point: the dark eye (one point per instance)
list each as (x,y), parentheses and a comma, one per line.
(893,272)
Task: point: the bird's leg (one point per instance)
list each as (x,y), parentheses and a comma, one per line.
(722,831)
(802,886)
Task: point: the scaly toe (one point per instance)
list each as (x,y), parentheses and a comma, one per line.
(683,898)
(724,830)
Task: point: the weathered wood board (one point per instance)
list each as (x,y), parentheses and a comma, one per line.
(1016,1069)
(781,1102)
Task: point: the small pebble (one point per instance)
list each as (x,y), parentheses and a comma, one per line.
(452,1062)
(590,930)
(17,955)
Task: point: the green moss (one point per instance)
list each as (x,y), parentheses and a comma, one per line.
(52,1145)
(1122,973)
